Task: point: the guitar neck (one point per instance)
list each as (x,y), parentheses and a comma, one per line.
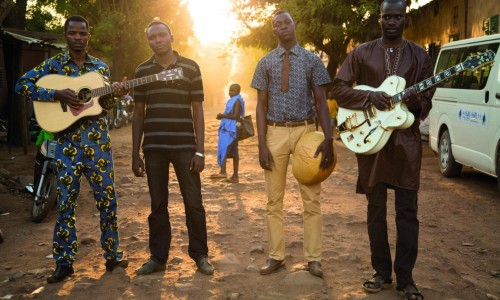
(429,82)
(108,89)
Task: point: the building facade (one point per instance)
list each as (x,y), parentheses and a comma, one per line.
(443,21)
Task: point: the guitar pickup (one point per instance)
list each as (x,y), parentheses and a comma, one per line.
(370,112)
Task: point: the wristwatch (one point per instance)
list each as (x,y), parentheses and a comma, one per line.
(199,154)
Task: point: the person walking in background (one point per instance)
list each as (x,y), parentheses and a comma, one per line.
(333,107)
(84,148)
(397,165)
(170,118)
(290,82)
(228,140)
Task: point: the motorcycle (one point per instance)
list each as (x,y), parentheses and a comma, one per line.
(4,130)
(124,111)
(44,193)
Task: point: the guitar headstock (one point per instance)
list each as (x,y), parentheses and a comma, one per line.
(168,75)
(474,61)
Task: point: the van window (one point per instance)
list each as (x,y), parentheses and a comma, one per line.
(470,79)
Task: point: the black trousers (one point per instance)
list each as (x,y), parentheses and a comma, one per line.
(407,226)
(160,231)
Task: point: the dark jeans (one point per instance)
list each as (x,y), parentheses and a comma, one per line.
(407,233)
(160,232)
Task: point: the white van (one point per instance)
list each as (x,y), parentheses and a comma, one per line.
(464,127)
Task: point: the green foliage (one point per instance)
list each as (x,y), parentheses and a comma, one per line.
(328,26)
(116,26)
(41,20)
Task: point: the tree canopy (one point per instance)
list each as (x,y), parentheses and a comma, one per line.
(326,26)
(116,26)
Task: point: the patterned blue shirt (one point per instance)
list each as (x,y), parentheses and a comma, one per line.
(306,72)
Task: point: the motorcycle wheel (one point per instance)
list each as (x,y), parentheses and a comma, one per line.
(118,121)
(48,194)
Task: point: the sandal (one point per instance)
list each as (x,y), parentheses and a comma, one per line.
(376,284)
(218,175)
(410,292)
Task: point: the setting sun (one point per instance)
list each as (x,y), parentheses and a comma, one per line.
(213,22)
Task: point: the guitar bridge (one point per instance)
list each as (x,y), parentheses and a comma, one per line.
(351,122)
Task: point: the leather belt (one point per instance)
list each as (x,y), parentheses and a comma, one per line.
(291,123)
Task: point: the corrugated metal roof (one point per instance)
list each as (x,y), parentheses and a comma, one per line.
(23,38)
(31,40)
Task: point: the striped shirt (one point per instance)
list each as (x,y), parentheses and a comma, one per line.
(168,124)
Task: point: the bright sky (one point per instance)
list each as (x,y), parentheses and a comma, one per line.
(212,20)
(214,24)
(419,3)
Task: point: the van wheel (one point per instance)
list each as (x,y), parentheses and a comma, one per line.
(447,164)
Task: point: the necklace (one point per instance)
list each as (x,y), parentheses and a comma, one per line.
(391,70)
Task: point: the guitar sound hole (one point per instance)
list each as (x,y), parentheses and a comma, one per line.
(84,95)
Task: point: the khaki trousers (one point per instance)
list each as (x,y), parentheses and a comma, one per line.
(281,141)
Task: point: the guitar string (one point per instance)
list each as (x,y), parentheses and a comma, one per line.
(100,91)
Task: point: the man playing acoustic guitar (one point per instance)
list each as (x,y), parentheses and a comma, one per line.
(397,165)
(83,148)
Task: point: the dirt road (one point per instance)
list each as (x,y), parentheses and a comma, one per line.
(458,255)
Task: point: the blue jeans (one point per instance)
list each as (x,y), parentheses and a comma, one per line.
(160,232)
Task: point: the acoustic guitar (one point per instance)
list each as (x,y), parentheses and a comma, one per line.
(56,116)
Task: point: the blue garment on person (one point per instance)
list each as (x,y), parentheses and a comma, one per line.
(227,128)
(84,149)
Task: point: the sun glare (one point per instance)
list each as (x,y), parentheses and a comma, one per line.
(213,22)
(418,3)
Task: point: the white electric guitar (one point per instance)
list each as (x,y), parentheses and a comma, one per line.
(56,116)
(367,131)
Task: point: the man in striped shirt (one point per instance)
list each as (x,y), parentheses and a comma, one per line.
(169,121)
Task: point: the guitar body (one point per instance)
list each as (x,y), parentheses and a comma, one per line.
(369,130)
(51,116)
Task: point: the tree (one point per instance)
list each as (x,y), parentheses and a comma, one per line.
(117,26)
(327,26)
(17,16)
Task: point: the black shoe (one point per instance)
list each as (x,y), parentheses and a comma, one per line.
(113,263)
(204,266)
(149,267)
(60,273)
